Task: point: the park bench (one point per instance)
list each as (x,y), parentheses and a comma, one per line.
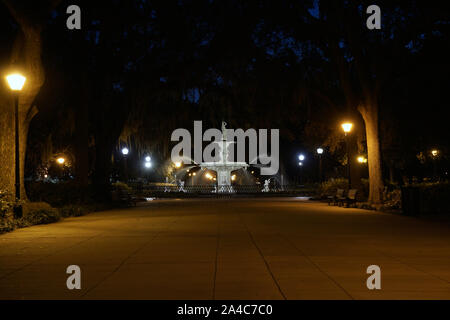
(336,198)
(350,198)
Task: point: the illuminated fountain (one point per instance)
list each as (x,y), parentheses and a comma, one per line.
(223,167)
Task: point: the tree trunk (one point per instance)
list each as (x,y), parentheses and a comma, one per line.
(81,144)
(81,109)
(27,54)
(102,167)
(369,112)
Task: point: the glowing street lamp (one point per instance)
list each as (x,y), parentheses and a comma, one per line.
(148,164)
(361,159)
(319,150)
(347,127)
(300,164)
(125,151)
(434,153)
(16,82)
(301,157)
(148,159)
(177,164)
(233,177)
(61,160)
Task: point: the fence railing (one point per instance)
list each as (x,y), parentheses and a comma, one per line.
(171,190)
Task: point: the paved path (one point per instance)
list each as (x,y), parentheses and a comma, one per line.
(281,248)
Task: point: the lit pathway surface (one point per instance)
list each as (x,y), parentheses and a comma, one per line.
(280,248)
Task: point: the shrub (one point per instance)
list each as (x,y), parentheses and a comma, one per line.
(330,187)
(121,186)
(6,204)
(426,198)
(393,201)
(42,216)
(73,211)
(30,207)
(7,226)
(59,194)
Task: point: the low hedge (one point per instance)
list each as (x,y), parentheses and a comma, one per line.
(426,198)
(59,194)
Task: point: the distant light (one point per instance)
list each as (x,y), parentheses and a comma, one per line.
(434,152)
(125,151)
(16,81)
(319,150)
(193,173)
(361,159)
(148,159)
(253,172)
(301,157)
(177,164)
(45,176)
(300,164)
(233,177)
(148,164)
(214,179)
(208,176)
(347,127)
(190,174)
(61,160)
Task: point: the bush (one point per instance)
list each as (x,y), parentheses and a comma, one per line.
(393,201)
(59,194)
(121,186)
(426,198)
(30,207)
(73,211)
(42,216)
(6,203)
(330,187)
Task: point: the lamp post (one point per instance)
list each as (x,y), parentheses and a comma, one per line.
(434,154)
(16,82)
(301,157)
(319,152)
(347,127)
(125,152)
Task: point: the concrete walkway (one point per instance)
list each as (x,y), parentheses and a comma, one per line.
(281,248)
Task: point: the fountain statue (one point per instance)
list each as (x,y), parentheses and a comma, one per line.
(223,167)
(266,186)
(181,186)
